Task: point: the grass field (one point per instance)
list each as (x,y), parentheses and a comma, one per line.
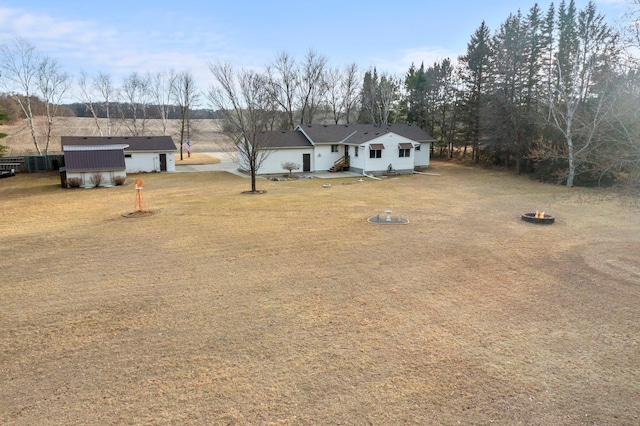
(206,135)
(289,308)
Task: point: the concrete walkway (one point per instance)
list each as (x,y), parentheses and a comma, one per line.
(227,164)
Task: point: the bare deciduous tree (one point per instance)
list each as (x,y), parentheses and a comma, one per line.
(26,75)
(19,70)
(342,92)
(52,84)
(283,86)
(103,84)
(88,98)
(350,90)
(244,98)
(97,96)
(161,91)
(185,96)
(135,95)
(312,85)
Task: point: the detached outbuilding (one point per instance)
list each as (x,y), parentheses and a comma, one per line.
(89,166)
(142,154)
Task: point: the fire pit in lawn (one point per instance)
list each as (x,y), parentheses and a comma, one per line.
(537,217)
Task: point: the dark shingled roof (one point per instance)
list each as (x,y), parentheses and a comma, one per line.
(285,139)
(136,143)
(94,159)
(355,134)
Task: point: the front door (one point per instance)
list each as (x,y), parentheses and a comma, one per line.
(163,162)
(306,162)
(347,161)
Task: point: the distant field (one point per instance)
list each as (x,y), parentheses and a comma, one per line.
(206,134)
(289,308)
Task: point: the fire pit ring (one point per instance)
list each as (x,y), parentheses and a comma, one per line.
(543,219)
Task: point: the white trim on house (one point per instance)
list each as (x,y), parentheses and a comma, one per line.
(350,138)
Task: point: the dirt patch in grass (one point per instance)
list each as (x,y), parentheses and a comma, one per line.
(139,213)
(290,308)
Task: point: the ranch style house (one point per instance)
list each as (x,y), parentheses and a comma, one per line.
(371,149)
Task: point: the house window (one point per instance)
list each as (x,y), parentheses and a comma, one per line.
(375,150)
(334,148)
(418,147)
(356,152)
(404,149)
(127,156)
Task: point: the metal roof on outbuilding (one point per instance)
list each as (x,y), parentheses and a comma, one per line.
(93,160)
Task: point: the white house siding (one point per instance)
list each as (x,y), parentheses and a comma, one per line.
(356,164)
(390,155)
(324,158)
(140,162)
(422,156)
(273,163)
(87,178)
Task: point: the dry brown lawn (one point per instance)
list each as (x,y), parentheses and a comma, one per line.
(289,308)
(195,158)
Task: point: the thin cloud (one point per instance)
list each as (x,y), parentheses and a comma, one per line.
(91,46)
(614,2)
(20,23)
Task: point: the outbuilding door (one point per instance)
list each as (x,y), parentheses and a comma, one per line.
(163,162)
(306,162)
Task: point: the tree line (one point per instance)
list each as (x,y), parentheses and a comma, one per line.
(549,92)
(552,93)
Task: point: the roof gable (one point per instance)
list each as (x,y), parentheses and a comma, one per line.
(285,139)
(327,133)
(355,134)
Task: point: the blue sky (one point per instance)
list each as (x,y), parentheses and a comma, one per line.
(119,37)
